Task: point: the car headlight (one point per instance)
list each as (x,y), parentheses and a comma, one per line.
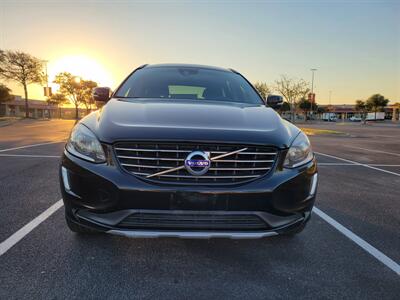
(299,153)
(84,144)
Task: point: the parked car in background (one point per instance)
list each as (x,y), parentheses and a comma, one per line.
(378,116)
(329,117)
(355,119)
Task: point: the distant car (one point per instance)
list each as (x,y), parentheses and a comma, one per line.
(375,116)
(187,151)
(355,119)
(329,117)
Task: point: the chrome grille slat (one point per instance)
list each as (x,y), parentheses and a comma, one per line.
(153,150)
(238,169)
(145,166)
(211,169)
(191,176)
(150,158)
(256,153)
(143,159)
(188,151)
(182,159)
(244,161)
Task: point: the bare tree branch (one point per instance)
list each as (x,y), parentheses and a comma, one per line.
(292,90)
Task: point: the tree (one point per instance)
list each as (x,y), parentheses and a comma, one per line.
(75,89)
(262,89)
(23,68)
(5,94)
(376,102)
(57,99)
(362,107)
(292,89)
(69,88)
(396,108)
(285,106)
(321,110)
(305,106)
(85,94)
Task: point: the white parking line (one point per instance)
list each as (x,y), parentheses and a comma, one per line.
(29,146)
(359,241)
(21,233)
(351,164)
(29,155)
(359,164)
(371,150)
(385,136)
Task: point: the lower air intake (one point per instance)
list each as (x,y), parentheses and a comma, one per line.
(193,221)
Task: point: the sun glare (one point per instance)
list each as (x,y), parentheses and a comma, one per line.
(82,66)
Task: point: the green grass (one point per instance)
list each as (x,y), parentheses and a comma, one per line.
(2,119)
(314,131)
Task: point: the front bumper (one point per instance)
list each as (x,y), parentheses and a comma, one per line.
(100,196)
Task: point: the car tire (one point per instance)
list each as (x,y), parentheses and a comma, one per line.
(77,228)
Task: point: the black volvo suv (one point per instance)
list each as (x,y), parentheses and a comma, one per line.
(187,151)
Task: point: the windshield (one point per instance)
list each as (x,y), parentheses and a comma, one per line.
(188,83)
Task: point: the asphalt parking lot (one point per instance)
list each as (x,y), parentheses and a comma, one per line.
(350,249)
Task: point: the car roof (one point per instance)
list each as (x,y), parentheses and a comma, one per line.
(189,66)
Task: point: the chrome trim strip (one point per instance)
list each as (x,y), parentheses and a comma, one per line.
(65,178)
(192,234)
(314,184)
(227,154)
(67,186)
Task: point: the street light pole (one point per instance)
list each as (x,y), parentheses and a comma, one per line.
(47,77)
(312,88)
(330,95)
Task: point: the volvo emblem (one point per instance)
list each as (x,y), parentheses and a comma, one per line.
(197,163)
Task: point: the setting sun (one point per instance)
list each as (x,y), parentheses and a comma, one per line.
(83,66)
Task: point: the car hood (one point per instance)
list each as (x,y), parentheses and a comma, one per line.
(188,120)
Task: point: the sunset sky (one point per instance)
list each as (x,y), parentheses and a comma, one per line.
(355,45)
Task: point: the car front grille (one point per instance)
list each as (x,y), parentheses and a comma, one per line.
(146,159)
(193,221)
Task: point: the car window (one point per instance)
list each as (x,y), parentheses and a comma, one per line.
(181,91)
(188,83)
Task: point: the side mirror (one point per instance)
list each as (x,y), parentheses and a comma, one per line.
(274,101)
(101,94)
